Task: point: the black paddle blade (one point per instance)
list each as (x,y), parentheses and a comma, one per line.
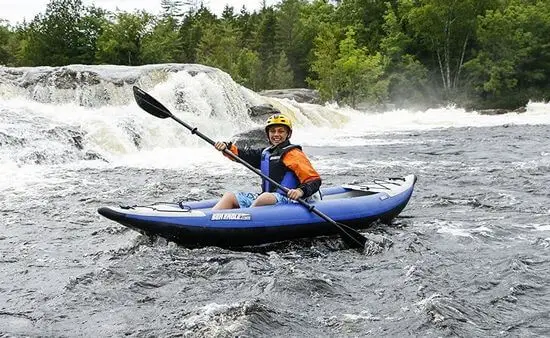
(352,237)
(150,104)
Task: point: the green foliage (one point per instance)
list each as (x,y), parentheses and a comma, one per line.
(91,27)
(219,47)
(6,57)
(295,43)
(249,69)
(346,72)
(360,74)
(446,29)
(121,41)
(408,82)
(266,41)
(173,9)
(65,34)
(514,55)
(314,18)
(325,54)
(366,17)
(191,31)
(163,43)
(407,77)
(280,75)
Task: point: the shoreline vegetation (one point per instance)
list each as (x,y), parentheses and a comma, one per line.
(492,56)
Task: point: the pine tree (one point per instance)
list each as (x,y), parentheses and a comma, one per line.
(174,8)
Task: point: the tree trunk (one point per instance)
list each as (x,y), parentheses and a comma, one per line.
(461,62)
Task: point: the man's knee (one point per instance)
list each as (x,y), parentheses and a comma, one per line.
(228,201)
(265,198)
(232,198)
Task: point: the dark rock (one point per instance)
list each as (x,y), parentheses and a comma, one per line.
(254,138)
(301,95)
(493,111)
(92,155)
(6,140)
(34,157)
(63,78)
(261,113)
(86,85)
(73,137)
(134,134)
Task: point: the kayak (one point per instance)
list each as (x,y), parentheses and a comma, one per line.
(196,224)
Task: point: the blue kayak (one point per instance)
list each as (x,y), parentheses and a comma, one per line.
(196,224)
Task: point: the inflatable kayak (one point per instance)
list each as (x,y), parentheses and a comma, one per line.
(196,224)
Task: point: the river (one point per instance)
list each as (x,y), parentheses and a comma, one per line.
(469,255)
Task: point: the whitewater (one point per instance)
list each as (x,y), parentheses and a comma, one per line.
(467,257)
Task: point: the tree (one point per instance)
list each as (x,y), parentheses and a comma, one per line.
(91,27)
(280,75)
(163,43)
(315,18)
(248,72)
(513,61)
(191,31)
(266,40)
(219,47)
(6,57)
(325,54)
(446,28)
(65,34)
(173,9)
(359,74)
(121,41)
(228,14)
(366,17)
(292,37)
(407,77)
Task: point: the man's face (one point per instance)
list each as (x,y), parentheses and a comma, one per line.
(277,134)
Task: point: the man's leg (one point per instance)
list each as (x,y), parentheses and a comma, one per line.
(265,198)
(228,201)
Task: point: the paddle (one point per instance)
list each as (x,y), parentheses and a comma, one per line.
(148,103)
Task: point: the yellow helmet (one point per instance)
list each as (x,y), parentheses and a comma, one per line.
(280,119)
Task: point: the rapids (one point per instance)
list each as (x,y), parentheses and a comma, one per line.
(469,256)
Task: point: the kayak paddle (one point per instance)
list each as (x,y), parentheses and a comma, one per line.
(148,103)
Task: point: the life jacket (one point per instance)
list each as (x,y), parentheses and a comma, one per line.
(273,167)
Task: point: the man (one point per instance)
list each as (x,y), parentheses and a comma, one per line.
(282,161)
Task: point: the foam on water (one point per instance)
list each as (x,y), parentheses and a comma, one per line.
(356,125)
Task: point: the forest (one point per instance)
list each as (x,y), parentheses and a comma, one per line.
(473,53)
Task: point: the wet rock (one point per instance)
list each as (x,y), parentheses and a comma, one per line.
(92,156)
(34,157)
(134,134)
(61,78)
(89,86)
(493,111)
(260,113)
(254,138)
(6,139)
(302,95)
(73,137)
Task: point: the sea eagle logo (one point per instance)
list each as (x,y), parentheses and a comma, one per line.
(230,217)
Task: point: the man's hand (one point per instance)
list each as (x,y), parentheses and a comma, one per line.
(294,194)
(221,146)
